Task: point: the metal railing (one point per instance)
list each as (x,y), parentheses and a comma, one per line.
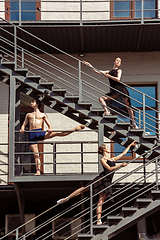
(84,220)
(80,12)
(72,77)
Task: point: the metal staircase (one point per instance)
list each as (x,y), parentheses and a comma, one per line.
(66,103)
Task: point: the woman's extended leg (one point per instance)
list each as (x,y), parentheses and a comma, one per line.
(74,194)
(101,200)
(102,100)
(130,113)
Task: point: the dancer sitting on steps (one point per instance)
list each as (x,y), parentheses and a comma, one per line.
(100,183)
(36,120)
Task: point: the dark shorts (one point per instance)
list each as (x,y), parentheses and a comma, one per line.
(35,135)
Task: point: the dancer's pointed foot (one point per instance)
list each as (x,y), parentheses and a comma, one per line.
(106,113)
(134,126)
(38,173)
(99,222)
(80,127)
(63,200)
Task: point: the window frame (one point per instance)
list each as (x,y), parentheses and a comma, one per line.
(132,11)
(37,10)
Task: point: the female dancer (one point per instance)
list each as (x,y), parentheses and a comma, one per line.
(114,77)
(101,182)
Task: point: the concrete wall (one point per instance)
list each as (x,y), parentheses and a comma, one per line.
(93,10)
(3,133)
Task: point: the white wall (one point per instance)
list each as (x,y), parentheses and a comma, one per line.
(74,8)
(2,8)
(3,132)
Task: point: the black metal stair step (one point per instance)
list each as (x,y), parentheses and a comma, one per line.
(22,71)
(60,92)
(98,111)
(151,139)
(99,228)
(85,236)
(9,65)
(48,85)
(86,105)
(142,202)
(137,132)
(124,125)
(112,220)
(34,78)
(155,194)
(127,211)
(110,118)
(73,99)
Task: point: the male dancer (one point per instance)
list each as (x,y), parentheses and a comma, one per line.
(36,120)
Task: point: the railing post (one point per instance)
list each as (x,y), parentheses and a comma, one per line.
(144,123)
(80,12)
(54,158)
(100,142)
(22,58)
(139,118)
(17,234)
(144,169)
(12,129)
(82,158)
(91,211)
(156,162)
(15,46)
(80,83)
(142,12)
(19,12)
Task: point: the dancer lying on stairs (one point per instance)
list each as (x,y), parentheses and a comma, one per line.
(100,183)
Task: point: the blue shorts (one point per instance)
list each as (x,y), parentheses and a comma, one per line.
(35,135)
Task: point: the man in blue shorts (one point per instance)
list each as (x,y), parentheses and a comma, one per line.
(36,120)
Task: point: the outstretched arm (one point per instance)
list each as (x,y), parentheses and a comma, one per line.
(124,152)
(95,70)
(104,164)
(22,130)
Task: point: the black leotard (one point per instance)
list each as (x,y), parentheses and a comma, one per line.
(117,85)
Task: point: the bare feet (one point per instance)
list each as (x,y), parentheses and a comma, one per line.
(63,200)
(99,222)
(38,173)
(134,126)
(106,113)
(80,127)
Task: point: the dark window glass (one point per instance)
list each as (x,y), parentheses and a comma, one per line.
(25,6)
(119,8)
(149,7)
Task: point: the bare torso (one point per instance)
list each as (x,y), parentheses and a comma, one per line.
(36,120)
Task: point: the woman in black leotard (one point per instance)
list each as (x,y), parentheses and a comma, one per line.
(101,182)
(114,77)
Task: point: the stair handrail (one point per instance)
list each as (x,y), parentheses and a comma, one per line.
(150,161)
(81,80)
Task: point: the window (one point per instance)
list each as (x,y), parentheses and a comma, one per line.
(132,9)
(31,8)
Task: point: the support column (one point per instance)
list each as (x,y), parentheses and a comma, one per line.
(20,205)
(11,128)
(141,228)
(100,141)
(17,127)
